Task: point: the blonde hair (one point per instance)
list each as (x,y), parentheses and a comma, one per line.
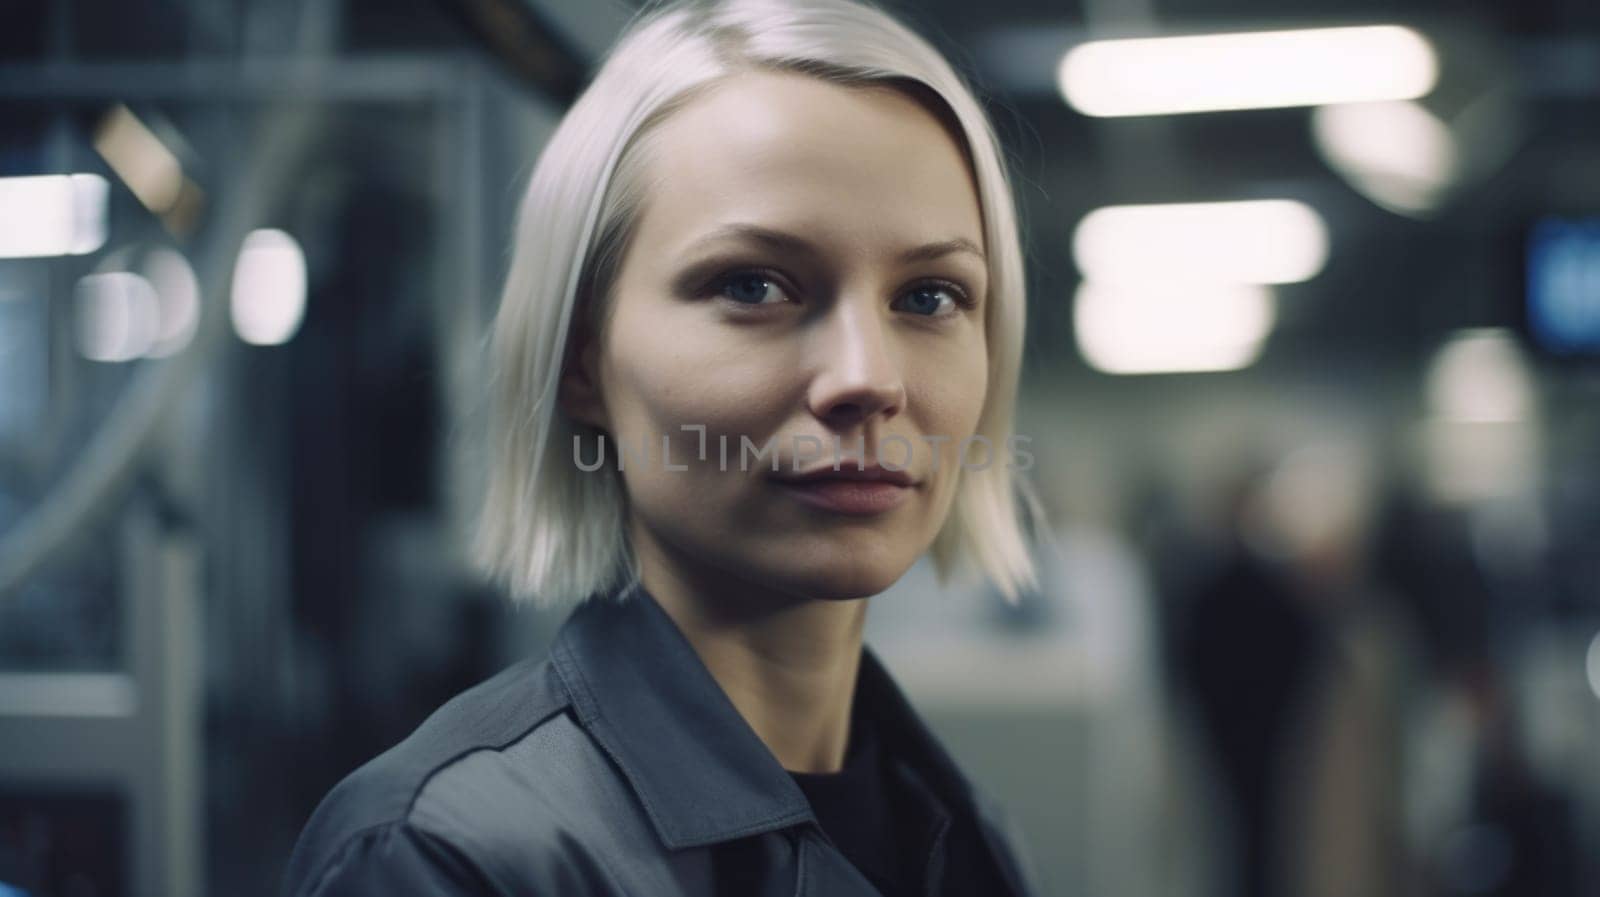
(553,535)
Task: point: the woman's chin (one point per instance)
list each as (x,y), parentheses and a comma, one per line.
(842,581)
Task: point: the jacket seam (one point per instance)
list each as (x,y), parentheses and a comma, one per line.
(801,844)
(441,766)
(419,826)
(404,817)
(327,869)
(371,832)
(490,876)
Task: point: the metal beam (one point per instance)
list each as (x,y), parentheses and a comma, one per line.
(386,78)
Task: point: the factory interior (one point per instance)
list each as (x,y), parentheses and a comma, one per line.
(1319,612)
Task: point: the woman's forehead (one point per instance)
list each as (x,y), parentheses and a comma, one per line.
(799,154)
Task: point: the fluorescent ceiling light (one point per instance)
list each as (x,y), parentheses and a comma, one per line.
(1398,154)
(179,291)
(1480,376)
(1163,329)
(1482,436)
(269,288)
(118,316)
(49,215)
(1254,241)
(1251,70)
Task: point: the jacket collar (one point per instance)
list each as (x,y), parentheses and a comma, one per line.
(700,771)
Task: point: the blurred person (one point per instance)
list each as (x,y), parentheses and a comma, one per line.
(1345,813)
(1518,836)
(1484,819)
(1246,648)
(786,224)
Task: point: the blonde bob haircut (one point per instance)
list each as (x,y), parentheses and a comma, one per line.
(552,534)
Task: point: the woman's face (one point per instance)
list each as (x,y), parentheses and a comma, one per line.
(808,266)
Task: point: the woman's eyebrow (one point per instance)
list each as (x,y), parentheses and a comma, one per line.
(782,241)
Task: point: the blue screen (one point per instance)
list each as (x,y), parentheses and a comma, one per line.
(1563,290)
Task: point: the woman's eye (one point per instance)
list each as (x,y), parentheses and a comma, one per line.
(750,288)
(930,298)
(934,299)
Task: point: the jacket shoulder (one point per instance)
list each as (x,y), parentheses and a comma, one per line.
(381,795)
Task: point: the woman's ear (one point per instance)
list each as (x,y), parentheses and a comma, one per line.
(579,389)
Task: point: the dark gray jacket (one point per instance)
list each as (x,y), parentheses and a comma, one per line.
(616,766)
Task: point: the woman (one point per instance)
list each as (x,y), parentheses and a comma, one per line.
(769,229)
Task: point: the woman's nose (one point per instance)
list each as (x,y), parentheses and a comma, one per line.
(857,369)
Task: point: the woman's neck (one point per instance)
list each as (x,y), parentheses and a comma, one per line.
(789,665)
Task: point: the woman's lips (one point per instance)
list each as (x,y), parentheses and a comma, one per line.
(859,498)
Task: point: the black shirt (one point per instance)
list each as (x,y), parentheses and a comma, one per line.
(858,810)
(867,813)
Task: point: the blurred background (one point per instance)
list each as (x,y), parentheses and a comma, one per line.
(1321,608)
